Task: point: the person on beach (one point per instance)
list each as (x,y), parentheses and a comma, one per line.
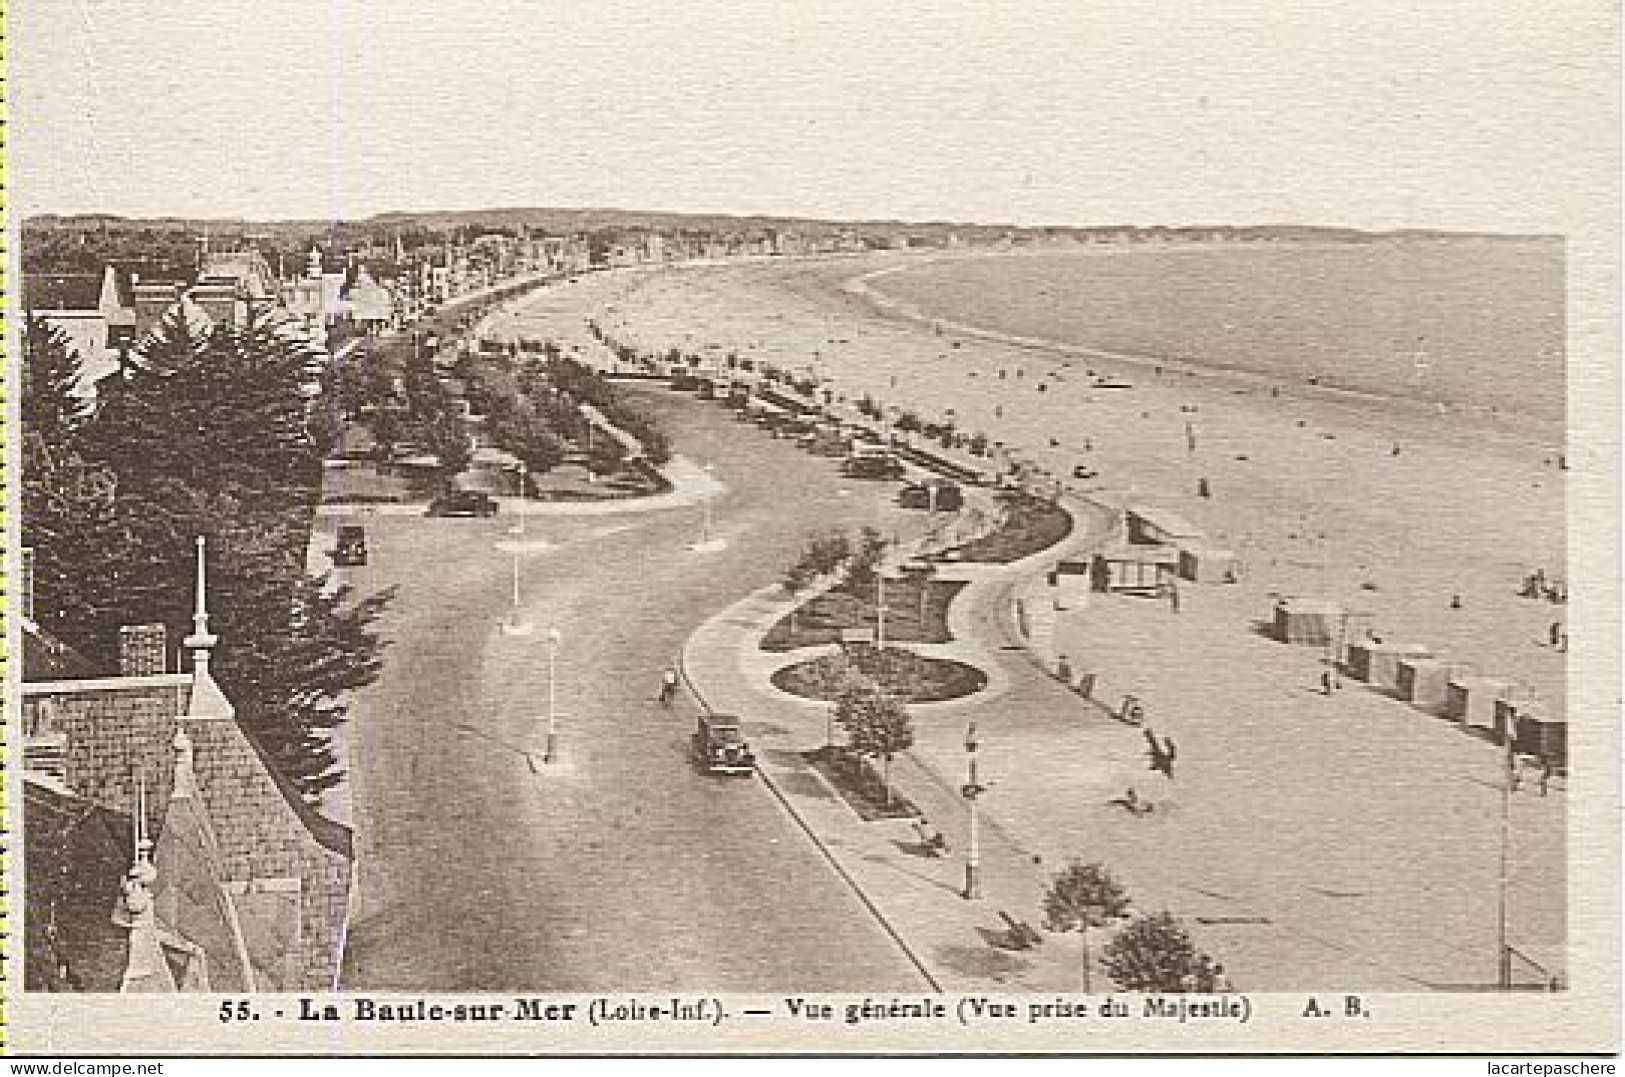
(1325,682)
(1162,754)
(1063,670)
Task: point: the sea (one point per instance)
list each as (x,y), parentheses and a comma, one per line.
(1473,326)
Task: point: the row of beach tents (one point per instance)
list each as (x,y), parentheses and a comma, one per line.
(1497,708)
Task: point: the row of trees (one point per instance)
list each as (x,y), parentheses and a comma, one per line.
(206,432)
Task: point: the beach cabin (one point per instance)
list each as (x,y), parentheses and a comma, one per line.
(1471,700)
(1509,711)
(1133,569)
(1072,586)
(1426,681)
(1208,564)
(1542,736)
(1312,621)
(1145,525)
(1377,662)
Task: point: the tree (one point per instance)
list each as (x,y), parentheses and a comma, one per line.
(865,559)
(207,433)
(1155,953)
(1082,896)
(446,437)
(877,725)
(51,408)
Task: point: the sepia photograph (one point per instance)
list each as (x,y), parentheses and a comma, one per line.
(746,527)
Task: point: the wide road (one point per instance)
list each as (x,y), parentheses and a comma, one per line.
(624,867)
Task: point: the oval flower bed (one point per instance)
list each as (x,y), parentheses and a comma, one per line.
(912,678)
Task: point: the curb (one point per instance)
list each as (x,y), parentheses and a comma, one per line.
(812,835)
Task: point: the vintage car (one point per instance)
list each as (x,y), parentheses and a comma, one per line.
(719,746)
(463,503)
(351,548)
(868,464)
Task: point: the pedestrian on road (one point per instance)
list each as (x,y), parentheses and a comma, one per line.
(1063,670)
(1325,682)
(668,686)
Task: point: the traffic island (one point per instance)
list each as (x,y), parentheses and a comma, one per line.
(901,673)
(1029,525)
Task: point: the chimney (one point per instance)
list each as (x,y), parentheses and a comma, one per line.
(142,650)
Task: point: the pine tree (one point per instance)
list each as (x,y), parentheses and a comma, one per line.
(208,433)
(51,410)
(67,501)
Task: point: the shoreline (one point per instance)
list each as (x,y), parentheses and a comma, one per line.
(1399,408)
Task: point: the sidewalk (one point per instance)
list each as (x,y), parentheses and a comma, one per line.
(961,945)
(1043,749)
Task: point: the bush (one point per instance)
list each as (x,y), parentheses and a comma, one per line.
(1154,953)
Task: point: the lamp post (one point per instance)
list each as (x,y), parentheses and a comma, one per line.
(1503,952)
(705,508)
(551,745)
(972,791)
(515,625)
(880,610)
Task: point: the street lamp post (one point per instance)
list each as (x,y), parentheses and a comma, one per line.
(1503,953)
(549,751)
(972,791)
(516,625)
(880,609)
(705,509)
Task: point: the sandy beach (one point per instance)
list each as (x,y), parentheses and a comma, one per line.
(1424,523)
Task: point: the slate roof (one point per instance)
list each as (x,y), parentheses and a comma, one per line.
(62,291)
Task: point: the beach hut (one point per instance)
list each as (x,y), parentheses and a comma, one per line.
(1208,564)
(1072,585)
(1151,525)
(1470,700)
(1542,736)
(1310,621)
(1131,569)
(1513,712)
(1426,681)
(1377,662)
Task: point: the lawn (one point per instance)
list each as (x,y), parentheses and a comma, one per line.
(1029,524)
(857,782)
(916,612)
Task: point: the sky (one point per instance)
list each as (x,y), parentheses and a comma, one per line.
(1483,115)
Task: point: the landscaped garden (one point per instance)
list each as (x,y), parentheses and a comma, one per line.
(910,677)
(1027,525)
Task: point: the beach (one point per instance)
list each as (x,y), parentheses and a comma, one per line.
(1420,516)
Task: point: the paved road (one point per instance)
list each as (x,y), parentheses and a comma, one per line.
(624,868)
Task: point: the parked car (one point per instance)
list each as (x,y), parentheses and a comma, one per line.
(872,466)
(719,746)
(351,548)
(462,503)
